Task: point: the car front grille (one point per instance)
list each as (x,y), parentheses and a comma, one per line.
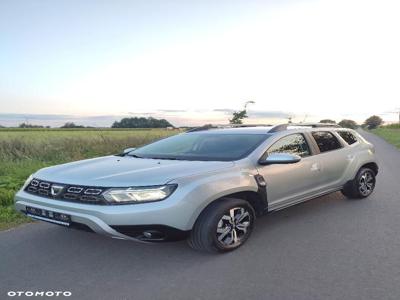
(65,192)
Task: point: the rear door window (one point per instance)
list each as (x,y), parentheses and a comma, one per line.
(326,141)
(348,137)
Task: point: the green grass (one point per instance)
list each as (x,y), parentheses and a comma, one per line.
(393,126)
(23,151)
(389,133)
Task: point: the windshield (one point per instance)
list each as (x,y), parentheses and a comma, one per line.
(202,146)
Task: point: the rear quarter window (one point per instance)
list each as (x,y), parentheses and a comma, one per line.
(326,141)
(348,137)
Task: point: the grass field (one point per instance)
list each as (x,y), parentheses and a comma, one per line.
(390,134)
(23,151)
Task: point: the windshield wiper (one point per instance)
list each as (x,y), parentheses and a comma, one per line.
(165,158)
(134,155)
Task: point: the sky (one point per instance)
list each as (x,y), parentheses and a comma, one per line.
(193,62)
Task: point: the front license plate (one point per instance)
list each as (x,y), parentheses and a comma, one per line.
(48,216)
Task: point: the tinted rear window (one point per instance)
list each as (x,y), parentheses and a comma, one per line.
(326,141)
(348,137)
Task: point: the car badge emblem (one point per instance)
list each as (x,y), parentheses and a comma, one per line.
(56,189)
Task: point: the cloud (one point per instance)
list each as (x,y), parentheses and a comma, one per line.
(224,110)
(270,114)
(172,110)
(33,116)
(57,120)
(259,113)
(140,113)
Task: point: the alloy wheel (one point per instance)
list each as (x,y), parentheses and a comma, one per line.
(234,227)
(366,183)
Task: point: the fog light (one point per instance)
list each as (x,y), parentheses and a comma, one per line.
(147,234)
(61,217)
(153,235)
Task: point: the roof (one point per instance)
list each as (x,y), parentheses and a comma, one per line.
(259,129)
(236,130)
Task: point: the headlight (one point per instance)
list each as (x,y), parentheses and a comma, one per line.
(27,182)
(139,194)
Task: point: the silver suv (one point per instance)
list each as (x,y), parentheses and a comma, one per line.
(207,185)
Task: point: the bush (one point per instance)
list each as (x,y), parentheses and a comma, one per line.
(329,121)
(373,122)
(393,126)
(72,125)
(141,123)
(348,124)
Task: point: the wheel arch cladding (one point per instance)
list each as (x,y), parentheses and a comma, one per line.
(371,165)
(257,200)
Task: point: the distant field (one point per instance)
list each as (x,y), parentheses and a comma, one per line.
(390,134)
(23,151)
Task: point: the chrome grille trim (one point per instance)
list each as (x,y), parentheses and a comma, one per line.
(71,193)
(34,183)
(32,189)
(74,189)
(43,192)
(44,185)
(93,191)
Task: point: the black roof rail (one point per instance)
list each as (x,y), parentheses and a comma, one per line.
(200,128)
(250,125)
(280,127)
(276,128)
(316,125)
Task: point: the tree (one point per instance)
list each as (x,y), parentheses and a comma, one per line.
(238,117)
(72,125)
(136,122)
(348,124)
(328,121)
(373,122)
(27,125)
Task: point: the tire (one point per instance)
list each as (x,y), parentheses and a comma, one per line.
(362,185)
(216,231)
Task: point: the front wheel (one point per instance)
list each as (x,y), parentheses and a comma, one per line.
(223,226)
(362,185)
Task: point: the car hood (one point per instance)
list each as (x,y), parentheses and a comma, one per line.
(116,171)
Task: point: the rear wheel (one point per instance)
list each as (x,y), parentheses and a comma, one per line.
(362,185)
(223,226)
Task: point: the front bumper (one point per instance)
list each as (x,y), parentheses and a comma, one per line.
(130,221)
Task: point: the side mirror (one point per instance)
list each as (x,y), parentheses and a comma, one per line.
(127,150)
(280,158)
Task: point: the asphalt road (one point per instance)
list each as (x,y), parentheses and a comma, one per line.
(327,248)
